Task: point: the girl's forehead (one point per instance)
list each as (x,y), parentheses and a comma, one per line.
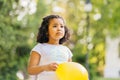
(56,20)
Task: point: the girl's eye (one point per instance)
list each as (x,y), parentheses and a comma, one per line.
(57,26)
(62,26)
(54,26)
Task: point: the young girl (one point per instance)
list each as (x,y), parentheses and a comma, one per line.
(49,52)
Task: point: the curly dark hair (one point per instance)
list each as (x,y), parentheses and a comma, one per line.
(42,36)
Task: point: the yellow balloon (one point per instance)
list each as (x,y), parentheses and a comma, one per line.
(71,71)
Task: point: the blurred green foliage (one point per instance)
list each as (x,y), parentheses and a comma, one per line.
(15,41)
(17,37)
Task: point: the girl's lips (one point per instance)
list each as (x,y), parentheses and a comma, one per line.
(59,33)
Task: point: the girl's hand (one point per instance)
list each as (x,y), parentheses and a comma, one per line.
(51,67)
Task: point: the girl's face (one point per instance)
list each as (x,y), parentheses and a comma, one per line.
(56,29)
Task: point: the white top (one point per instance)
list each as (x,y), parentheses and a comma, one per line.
(49,54)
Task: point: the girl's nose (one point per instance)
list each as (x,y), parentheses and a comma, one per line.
(59,27)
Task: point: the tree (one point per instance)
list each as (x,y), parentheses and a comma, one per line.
(17,35)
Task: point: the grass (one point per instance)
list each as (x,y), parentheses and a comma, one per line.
(101,78)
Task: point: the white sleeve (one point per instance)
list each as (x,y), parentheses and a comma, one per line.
(69,53)
(37,48)
(32,77)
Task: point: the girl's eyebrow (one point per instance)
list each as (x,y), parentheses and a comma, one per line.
(62,24)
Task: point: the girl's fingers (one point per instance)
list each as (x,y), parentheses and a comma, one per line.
(54,66)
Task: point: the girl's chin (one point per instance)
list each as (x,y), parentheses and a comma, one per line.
(59,38)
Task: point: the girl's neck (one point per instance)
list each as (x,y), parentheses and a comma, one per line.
(53,42)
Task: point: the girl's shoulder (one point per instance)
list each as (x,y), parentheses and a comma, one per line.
(64,46)
(40,44)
